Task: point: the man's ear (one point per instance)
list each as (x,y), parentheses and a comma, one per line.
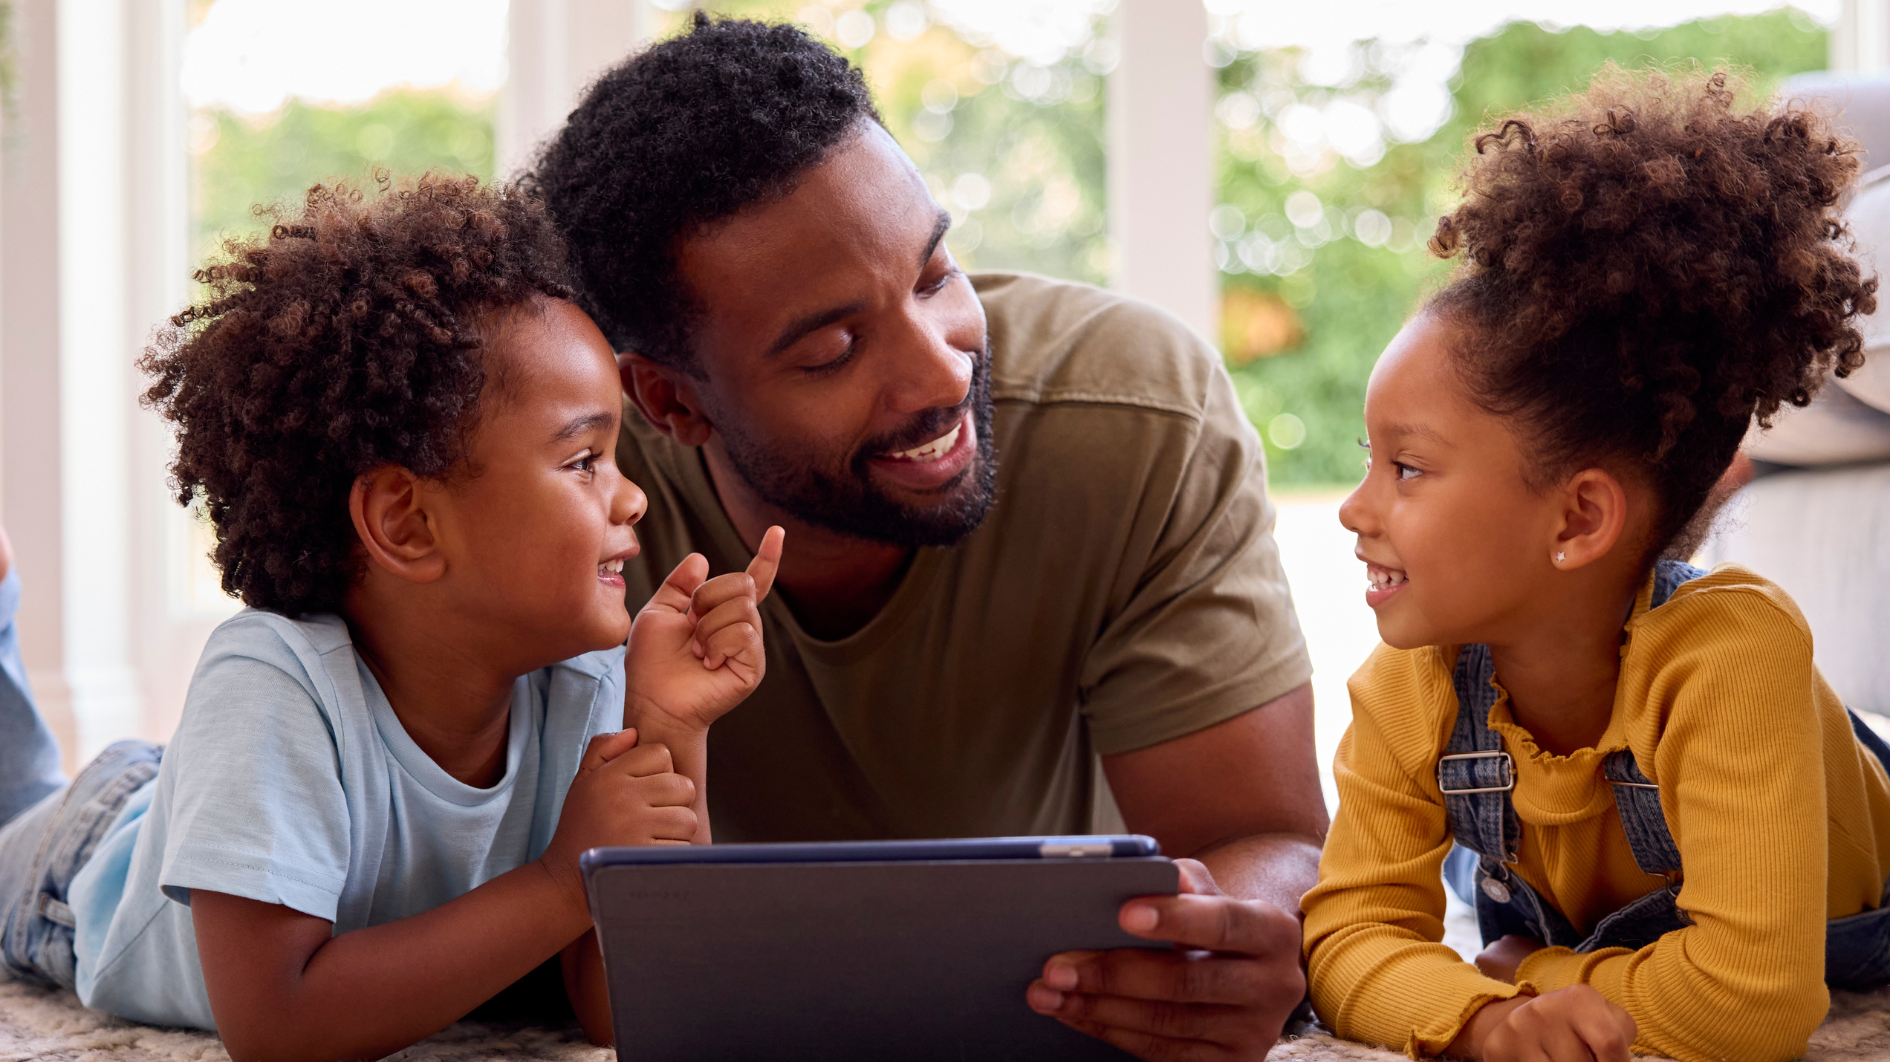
(665,397)
(388,507)
(1594,514)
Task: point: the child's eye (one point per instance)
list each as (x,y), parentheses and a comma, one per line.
(1405,472)
(584,462)
(1366,445)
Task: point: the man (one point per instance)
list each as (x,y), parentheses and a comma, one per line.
(1030,584)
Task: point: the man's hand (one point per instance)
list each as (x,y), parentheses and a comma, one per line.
(1573,1024)
(695,649)
(1224,991)
(1501,959)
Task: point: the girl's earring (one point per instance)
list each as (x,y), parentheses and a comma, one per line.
(1560,557)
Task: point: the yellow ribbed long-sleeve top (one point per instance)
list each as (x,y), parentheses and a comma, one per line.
(1781,817)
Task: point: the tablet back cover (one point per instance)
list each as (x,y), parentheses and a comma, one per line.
(915,961)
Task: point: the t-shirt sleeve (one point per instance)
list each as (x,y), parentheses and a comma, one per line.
(251,783)
(1207,630)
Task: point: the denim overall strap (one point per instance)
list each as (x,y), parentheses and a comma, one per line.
(1476,773)
(1638,800)
(1636,797)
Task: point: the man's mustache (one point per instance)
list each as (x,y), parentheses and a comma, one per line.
(929,424)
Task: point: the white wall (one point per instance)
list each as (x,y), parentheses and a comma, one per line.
(1160,179)
(93,216)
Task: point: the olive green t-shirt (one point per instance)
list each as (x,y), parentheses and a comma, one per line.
(1123,591)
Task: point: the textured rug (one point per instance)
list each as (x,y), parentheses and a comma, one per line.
(38,1023)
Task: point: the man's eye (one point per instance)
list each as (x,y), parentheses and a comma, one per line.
(946,278)
(836,363)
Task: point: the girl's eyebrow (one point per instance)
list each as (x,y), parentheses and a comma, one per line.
(586,423)
(1418,430)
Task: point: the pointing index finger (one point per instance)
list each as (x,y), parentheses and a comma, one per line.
(767,561)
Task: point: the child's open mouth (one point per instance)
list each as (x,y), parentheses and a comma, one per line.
(611,572)
(1381,583)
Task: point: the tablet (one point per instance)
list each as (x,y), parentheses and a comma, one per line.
(914,950)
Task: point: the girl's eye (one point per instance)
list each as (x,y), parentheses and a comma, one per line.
(1406,472)
(585,462)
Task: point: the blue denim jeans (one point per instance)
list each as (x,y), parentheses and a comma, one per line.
(41,850)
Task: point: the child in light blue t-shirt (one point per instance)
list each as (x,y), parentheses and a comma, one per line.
(369,819)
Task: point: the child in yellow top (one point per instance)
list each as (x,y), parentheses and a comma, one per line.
(1665,808)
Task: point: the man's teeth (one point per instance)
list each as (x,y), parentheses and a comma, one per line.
(611,567)
(1383,578)
(933,450)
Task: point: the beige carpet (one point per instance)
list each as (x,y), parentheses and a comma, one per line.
(37,1023)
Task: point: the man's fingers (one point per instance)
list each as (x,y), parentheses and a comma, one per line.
(767,561)
(1216,923)
(677,590)
(606,747)
(1167,1021)
(1136,973)
(644,760)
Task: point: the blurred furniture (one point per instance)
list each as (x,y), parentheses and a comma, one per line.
(1817,519)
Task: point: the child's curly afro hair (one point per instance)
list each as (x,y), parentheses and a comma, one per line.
(347,338)
(1647,267)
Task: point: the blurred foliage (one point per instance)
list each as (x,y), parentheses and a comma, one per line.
(1350,296)
(1012,148)
(243,160)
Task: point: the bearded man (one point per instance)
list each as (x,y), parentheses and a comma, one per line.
(1030,584)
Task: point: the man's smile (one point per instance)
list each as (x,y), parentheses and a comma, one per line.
(932,464)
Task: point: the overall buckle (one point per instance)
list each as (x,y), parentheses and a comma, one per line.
(1509,772)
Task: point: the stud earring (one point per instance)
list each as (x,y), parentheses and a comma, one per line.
(1560,557)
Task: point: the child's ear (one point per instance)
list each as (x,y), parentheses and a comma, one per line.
(1594,514)
(390,517)
(665,397)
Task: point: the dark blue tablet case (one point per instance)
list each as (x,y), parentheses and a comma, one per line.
(908,959)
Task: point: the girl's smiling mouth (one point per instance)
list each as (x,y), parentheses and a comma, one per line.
(1381,583)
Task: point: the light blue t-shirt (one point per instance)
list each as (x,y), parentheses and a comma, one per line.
(291,781)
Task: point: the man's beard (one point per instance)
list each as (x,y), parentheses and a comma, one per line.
(852,505)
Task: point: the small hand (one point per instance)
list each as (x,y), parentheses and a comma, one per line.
(1501,959)
(695,649)
(1224,991)
(1573,1024)
(624,794)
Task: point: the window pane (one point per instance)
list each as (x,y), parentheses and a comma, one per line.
(288,93)
(1338,136)
(999,103)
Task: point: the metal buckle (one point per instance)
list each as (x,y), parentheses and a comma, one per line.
(1509,772)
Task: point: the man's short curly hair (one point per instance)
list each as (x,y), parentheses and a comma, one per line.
(685,134)
(347,338)
(1647,267)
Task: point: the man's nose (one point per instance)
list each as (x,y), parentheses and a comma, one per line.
(926,372)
